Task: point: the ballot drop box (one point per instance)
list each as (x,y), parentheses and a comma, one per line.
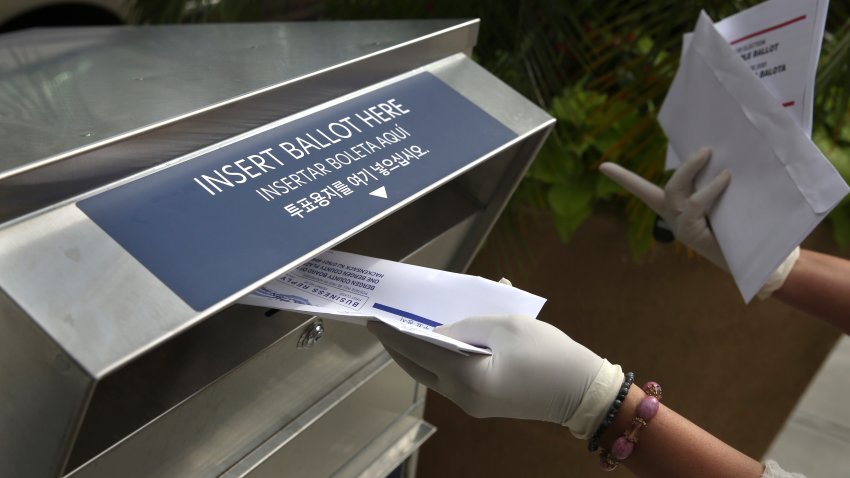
(152,176)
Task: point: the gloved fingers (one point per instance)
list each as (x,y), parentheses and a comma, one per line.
(697,235)
(647,192)
(703,200)
(479,331)
(431,357)
(420,374)
(681,184)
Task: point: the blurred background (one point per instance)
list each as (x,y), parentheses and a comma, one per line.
(602,69)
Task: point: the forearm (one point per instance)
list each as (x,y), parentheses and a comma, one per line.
(820,285)
(672,446)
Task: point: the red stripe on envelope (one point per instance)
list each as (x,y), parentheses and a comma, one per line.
(770,29)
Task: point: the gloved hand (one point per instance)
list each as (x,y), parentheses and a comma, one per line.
(681,208)
(684,210)
(536,371)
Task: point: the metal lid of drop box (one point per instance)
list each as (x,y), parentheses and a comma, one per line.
(82,106)
(137,185)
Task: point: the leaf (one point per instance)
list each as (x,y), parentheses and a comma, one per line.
(575,104)
(567,227)
(838,156)
(606,188)
(840,220)
(547,166)
(570,205)
(639,240)
(609,136)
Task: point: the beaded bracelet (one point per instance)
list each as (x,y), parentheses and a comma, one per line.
(593,442)
(623,446)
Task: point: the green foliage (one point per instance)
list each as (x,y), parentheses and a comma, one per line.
(602,69)
(833,138)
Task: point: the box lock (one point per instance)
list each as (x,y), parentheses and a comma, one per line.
(312,334)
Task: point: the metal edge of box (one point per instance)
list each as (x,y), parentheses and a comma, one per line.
(24,193)
(40,448)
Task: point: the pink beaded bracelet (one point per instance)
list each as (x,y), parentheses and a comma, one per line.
(623,446)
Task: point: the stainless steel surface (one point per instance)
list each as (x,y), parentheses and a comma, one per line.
(85,291)
(342,436)
(312,334)
(491,94)
(390,450)
(285,435)
(132,382)
(42,396)
(211,430)
(123,99)
(163,378)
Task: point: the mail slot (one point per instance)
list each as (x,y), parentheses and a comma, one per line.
(153,176)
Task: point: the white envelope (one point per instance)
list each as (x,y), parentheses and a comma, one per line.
(782,185)
(412,299)
(780,40)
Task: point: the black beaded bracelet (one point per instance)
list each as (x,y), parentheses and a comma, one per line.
(593,442)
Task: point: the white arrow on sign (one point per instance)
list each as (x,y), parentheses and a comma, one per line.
(381,192)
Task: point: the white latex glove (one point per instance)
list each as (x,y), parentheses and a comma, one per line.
(678,204)
(777,278)
(536,371)
(684,210)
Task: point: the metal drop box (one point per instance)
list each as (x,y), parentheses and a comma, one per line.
(121,350)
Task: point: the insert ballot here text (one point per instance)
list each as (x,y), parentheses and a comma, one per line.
(374,139)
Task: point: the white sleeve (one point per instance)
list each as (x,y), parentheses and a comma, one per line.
(772,470)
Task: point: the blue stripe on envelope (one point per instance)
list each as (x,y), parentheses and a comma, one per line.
(406,314)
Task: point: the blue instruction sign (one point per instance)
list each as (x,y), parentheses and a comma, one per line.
(212,225)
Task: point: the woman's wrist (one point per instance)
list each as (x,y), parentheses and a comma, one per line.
(671,446)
